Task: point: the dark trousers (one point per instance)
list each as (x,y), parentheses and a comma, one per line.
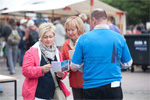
(105,92)
(77,93)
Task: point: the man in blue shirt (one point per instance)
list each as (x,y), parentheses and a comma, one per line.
(103,53)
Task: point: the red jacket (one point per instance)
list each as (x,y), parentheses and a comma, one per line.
(32,70)
(75,78)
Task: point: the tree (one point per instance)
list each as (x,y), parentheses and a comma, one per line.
(137,10)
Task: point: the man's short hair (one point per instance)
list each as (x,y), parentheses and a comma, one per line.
(99,14)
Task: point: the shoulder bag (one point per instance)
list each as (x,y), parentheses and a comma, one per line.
(14,37)
(58,94)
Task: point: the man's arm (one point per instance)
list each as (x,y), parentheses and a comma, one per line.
(126,59)
(77,60)
(76,67)
(126,65)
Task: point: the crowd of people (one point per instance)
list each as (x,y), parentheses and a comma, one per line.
(99,53)
(137,29)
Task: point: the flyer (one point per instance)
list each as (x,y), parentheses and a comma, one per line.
(60,66)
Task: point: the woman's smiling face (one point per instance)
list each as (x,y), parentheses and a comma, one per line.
(73,33)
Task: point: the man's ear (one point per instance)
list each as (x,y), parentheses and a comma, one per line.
(94,21)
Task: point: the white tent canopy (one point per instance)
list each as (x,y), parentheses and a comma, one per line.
(34,5)
(48,5)
(55,7)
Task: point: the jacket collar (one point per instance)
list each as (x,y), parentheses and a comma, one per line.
(101,27)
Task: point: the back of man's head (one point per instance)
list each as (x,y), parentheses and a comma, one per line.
(30,23)
(99,14)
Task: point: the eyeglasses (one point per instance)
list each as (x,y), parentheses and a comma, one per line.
(46,37)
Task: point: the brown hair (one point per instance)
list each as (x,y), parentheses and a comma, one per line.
(99,14)
(111,18)
(12,23)
(75,21)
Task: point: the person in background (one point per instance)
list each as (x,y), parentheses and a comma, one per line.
(112,26)
(83,16)
(22,44)
(74,28)
(30,26)
(10,50)
(104,52)
(60,33)
(1,91)
(39,84)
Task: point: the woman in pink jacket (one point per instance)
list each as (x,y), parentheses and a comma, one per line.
(39,84)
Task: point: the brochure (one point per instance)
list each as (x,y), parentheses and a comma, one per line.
(60,66)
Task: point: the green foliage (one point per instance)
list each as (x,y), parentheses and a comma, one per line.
(137,10)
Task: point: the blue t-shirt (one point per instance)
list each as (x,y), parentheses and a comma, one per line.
(101,50)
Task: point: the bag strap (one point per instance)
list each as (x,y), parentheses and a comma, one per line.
(9,26)
(53,75)
(12,28)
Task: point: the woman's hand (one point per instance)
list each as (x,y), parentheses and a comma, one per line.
(60,74)
(46,68)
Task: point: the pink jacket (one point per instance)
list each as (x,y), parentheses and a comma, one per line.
(32,70)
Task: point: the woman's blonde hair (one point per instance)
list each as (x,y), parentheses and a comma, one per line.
(76,22)
(44,27)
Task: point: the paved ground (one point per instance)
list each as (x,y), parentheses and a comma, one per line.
(136,85)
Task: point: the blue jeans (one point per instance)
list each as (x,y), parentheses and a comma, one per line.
(22,52)
(12,52)
(0,87)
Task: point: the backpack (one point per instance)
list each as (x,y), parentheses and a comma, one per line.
(33,37)
(14,37)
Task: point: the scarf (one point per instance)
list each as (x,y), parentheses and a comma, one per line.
(72,44)
(49,52)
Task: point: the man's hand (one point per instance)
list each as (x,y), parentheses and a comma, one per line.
(46,68)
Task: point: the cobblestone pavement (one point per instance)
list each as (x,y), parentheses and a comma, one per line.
(136,85)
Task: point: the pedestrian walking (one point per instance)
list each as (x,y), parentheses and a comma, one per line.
(60,33)
(31,34)
(22,45)
(39,83)
(84,17)
(74,28)
(103,52)
(112,26)
(12,42)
